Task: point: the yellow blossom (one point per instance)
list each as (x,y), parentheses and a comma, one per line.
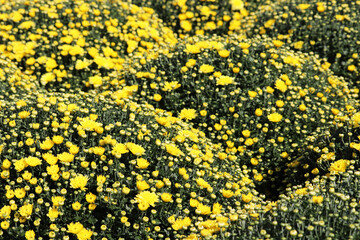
(79,181)
(224,80)
(275,117)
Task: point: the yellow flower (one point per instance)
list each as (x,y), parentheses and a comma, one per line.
(49,158)
(5,225)
(24,114)
(101,179)
(301,191)
(53,213)
(79,181)
(65,157)
(166,197)
(16,16)
(30,235)
(224,53)
(188,114)
(90,198)
(280,85)
(206,68)
(182,171)
(119,149)
(135,149)
(88,124)
(224,80)
(237,5)
(82,64)
(27,25)
(53,169)
(26,210)
(98,150)
(339,166)
(142,185)
(340,17)
(20,165)
(32,161)
(302,107)
(47,144)
(202,183)
(5,212)
(47,77)
(157,97)
(258,177)
(96,81)
(191,63)
(275,117)
(303,6)
(203,209)
(192,49)
(247,198)
(227,193)
(320,7)
(74,228)
(142,163)
(317,199)
(216,208)
(84,234)
(351,68)
(298,45)
(293,61)
(280,103)
(173,150)
(58,139)
(269,89)
(146,199)
(76,206)
(186,25)
(169,86)
(123,219)
(58,200)
(278,43)
(258,112)
(252,94)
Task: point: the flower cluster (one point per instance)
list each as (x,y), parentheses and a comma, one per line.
(260,101)
(190,17)
(78,44)
(87,165)
(329,28)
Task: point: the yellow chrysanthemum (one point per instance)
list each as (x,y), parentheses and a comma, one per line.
(224,80)
(146,199)
(275,117)
(188,114)
(79,181)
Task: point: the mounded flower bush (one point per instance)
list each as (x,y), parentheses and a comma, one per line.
(84,165)
(329,28)
(78,44)
(260,100)
(324,208)
(191,17)
(333,150)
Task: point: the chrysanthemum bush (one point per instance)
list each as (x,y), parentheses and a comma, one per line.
(78,44)
(191,17)
(331,151)
(325,208)
(83,165)
(329,28)
(259,100)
